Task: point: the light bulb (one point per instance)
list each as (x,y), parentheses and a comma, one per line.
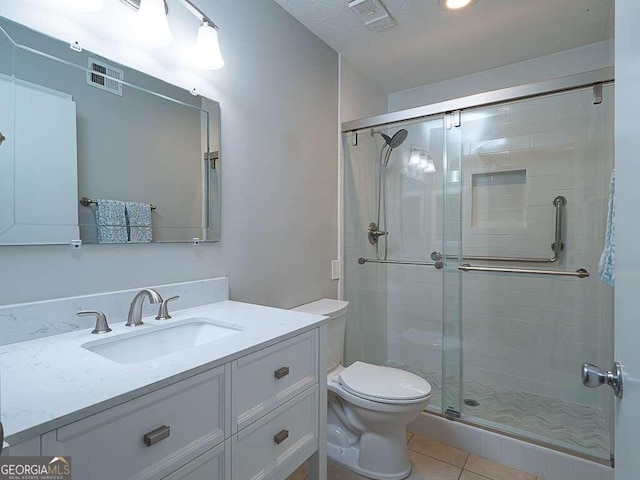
(414,158)
(153,23)
(457,4)
(207,54)
(427,164)
(84,5)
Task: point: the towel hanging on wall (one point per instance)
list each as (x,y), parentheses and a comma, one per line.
(606,266)
(139,218)
(111,221)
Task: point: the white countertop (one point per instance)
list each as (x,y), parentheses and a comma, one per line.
(53,381)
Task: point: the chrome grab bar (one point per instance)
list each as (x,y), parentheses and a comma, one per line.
(556,246)
(439,264)
(580,273)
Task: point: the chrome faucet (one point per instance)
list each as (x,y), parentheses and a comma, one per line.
(163,311)
(101,321)
(135,310)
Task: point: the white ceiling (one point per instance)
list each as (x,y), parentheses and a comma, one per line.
(429,44)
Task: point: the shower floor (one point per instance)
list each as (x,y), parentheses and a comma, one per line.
(576,427)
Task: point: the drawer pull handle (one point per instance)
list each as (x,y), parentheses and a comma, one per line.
(281,372)
(281,436)
(157,435)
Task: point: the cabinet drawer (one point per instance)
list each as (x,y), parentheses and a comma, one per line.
(275,445)
(266,379)
(212,465)
(120,443)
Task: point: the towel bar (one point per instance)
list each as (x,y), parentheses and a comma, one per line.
(438,264)
(580,273)
(86,201)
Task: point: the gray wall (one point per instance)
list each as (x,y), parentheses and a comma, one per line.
(278,97)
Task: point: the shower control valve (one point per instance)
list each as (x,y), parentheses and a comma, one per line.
(374,233)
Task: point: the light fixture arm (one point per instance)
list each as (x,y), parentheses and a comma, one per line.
(195,11)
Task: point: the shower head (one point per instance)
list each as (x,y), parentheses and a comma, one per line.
(395,141)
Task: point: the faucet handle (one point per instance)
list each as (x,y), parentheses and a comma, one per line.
(163,311)
(101,320)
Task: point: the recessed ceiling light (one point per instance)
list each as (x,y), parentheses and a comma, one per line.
(456,4)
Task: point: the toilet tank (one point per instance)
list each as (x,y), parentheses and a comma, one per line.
(336,310)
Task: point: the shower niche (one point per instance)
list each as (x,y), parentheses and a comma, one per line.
(499,199)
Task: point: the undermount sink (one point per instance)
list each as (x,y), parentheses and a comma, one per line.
(155,342)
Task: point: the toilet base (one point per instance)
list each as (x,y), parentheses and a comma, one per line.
(348,458)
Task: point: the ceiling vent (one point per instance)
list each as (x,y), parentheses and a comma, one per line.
(373,14)
(105,77)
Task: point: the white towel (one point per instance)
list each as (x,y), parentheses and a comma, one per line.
(139,218)
(111,221)
(606,266)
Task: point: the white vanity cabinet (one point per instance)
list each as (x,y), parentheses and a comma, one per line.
(212,465)
(148,437)
(257,416)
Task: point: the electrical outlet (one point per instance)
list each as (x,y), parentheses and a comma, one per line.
(335,269)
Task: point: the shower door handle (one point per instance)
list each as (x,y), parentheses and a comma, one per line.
(593,377)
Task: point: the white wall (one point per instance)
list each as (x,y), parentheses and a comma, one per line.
(360,96)
(279,146)
(578,60)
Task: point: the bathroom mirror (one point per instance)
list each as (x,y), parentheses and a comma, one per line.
(98,152)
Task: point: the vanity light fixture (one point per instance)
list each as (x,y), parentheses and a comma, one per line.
(85,5)
(456,4)
(153,22)
(206,53)
(421,160)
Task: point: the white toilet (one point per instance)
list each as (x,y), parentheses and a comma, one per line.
(369,406)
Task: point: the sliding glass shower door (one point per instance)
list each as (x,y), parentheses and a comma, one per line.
(393,285)
(534,172)
(471,250)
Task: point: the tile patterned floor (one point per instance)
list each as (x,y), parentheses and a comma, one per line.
(436,461)
(570,425)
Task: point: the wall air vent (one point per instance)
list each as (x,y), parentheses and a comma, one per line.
(373,14)
(104,76)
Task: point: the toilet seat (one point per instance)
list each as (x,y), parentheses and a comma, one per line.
(383,384)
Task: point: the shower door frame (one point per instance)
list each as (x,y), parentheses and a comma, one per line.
(451,109)
(521,92)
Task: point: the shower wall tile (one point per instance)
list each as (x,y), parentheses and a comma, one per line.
(512,453)
(535,460)
(560,467)
(491,446)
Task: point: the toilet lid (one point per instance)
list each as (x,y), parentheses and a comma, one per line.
(384,383)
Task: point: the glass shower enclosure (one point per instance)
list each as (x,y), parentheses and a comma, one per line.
(471,258)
